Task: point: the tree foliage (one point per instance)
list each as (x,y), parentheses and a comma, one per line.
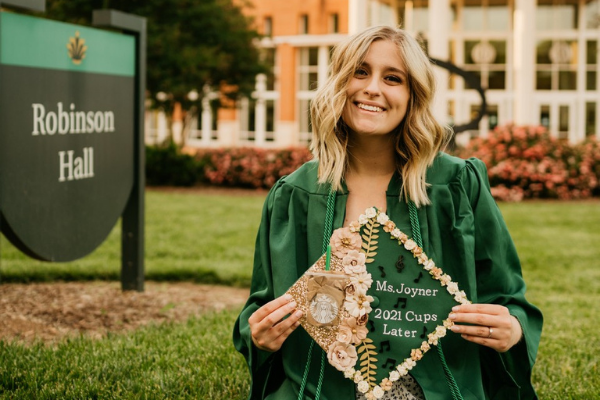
(190,43)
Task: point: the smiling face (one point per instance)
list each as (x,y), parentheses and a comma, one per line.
(378,93)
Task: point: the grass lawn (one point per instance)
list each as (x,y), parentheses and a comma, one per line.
(559,248)
(190,237)
(170,361)
(200,237)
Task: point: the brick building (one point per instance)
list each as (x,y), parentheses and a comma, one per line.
(538,59)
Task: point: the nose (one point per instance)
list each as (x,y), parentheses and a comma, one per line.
(372,86)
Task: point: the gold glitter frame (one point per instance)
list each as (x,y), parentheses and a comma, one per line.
(325,336)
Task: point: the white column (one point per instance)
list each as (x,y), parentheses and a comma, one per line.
(260,127)
(524,63)
(323,65)
(407,21)
(438,37)
(206,116)
(577,131)
(395,18)
(358,12)
(162,130)
(374,13)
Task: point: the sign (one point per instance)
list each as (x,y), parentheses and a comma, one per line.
(66,134)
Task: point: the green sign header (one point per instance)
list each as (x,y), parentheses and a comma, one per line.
(40,43)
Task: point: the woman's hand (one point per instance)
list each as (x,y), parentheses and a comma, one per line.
(491,325)
(267,326)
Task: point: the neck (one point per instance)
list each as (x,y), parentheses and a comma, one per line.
(372,156)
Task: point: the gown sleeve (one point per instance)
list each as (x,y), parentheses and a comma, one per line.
(500,281)
(260,362)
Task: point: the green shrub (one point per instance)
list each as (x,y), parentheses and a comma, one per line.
(167,165)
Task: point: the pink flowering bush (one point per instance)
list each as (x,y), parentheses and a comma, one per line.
(527,162)
(590,155)
(249,167)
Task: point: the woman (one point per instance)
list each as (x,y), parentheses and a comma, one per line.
(377,145)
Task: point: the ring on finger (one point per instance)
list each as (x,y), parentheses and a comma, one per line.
(491,331)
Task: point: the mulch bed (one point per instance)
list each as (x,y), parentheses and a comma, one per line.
(52,311)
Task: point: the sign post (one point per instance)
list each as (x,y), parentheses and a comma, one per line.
(132,228)
(71,136)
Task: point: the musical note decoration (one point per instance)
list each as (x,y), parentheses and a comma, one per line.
(371,326)
(382,271)
(422,336)
(392,362)
(400,264)
(385,343)
(401,300)
(418,277)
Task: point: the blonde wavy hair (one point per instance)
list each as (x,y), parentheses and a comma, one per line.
(419,137)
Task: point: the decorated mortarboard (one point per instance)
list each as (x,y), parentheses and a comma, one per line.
(374,309)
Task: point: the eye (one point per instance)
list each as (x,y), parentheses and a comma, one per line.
(360,72)
(394,79)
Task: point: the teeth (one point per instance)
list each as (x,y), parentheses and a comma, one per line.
(369,108)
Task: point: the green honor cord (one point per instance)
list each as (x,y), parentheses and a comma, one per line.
(328,229)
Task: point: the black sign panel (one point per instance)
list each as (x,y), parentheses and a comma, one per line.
(66,167)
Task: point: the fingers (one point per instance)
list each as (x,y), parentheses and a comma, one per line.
(268,327)
(480,314)
(491,309)
(489,325)
(271,307)
(283,330)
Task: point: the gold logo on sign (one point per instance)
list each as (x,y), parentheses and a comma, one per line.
(77,48)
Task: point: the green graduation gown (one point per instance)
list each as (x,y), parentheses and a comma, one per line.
(462,230)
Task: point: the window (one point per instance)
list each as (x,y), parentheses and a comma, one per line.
(482,16)
(308,76)
(563,122)
(591,81)
(206,114)
(590,118)
(268,26)
(555,15)
(334,23)
(270,122)
(545,116)
(247,119)
(304,120)
(414,15)
(556,65)
(487,59)
(480,42)
(214,109)
(268,57)
(490,117)
(311,69)
(451,112)
(380,13)
(592,14)
(304,24)
(308,68)
(258,113)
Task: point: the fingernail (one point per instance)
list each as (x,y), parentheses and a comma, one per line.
(292,304)
(455,328)
(288,297)
(452,316)
(455,308)
(298,313)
